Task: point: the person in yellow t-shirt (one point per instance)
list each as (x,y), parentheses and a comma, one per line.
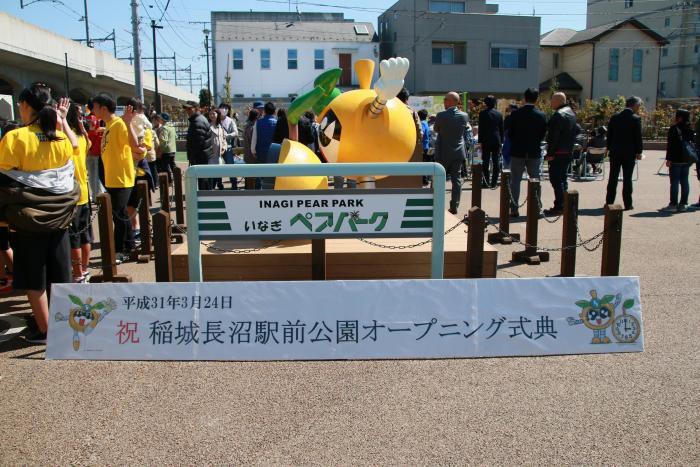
(144,134)
(80,232)
(118,141)
(40,258)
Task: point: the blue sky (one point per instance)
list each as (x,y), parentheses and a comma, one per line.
(186,40)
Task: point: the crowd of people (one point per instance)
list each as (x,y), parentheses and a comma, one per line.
(55,162)
(525,139)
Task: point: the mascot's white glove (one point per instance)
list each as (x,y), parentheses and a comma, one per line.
(392,74)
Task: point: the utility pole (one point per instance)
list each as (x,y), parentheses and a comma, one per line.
(155,64)
(206,48)
(206,32)
(87,25)
(138,84)
(67,75)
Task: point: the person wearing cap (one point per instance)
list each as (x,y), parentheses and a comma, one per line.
(200,141)
(259,107)
(167,137)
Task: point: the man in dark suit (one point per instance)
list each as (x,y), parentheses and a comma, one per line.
(526,129)
(491,139)
(450,126)
(625,149)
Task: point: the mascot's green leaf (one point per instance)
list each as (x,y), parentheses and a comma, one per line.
(582,303)
(607,299)
(327,79)
(99,305)
(75,300)
(302,103)
(629,303)
(322,104)
(318,98)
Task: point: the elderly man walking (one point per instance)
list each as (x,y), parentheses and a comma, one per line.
(625,148)
(562,130)
(450,126)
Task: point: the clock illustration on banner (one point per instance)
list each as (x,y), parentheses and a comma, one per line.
(626,328)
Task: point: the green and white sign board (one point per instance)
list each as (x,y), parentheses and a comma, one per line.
(270,214)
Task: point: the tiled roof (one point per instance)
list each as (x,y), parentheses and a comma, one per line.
(312,31)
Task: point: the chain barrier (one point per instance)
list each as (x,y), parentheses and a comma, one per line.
(414,245)
(91,221)
(581,243)
(542,215)
(210,246)
(485,183)
(512,200)
(584,244)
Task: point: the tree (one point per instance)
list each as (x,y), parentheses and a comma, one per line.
(227,89)
(204,98)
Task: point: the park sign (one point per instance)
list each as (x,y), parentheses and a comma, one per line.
(327,320)
(272,214)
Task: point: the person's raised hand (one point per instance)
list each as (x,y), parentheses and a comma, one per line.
(128,114)
(63,106)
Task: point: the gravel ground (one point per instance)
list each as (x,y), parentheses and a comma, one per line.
(641,408)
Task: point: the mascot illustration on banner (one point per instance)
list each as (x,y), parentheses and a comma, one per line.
(85,316)
(598,314)
(363,125)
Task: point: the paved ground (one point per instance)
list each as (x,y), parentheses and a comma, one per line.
(591,409)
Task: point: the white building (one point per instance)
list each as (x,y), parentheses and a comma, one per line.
(678,21)
(278,55)
(614,59)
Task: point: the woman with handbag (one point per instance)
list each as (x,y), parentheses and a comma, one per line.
(680,155)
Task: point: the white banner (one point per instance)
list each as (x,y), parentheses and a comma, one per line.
(313,214)
(345,319)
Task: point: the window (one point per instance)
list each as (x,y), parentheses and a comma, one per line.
(629,3)
(291,59)
(237,59)
(266,96)
(509,57)
(637,59)
(319,62)
(614,65)
(662,86)
(667,22)
(664,52)
(555,60)
(264,59)
(692,84)
(447,7)
(361,30)
(449,53)
(696,48)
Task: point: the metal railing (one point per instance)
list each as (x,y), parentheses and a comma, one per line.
(300,170)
